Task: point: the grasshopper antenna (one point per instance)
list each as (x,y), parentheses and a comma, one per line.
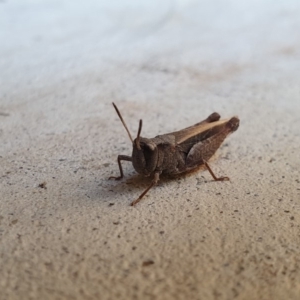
(138,135)
(123,122)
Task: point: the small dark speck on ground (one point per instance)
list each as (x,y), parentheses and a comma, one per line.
(13,222)
(43,185)
(147,263)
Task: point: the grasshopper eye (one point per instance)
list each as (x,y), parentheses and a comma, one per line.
(146,145)
(151,146)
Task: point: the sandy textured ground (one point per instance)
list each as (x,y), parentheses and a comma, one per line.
(66,231)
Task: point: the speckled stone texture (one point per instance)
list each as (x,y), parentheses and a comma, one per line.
(66,231)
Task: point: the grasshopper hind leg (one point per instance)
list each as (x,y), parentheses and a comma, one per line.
(225,178)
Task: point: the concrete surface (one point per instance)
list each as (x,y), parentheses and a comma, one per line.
(67,232)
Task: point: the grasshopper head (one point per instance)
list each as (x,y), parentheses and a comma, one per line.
(144,153)
(144,156)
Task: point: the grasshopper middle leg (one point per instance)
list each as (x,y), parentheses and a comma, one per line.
(153,183)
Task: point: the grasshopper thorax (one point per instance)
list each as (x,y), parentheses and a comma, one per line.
(144,156)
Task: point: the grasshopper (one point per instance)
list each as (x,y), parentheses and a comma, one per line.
(177,152)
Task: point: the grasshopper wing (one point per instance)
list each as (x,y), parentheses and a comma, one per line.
(188,132)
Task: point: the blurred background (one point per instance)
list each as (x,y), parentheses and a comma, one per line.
(53,40)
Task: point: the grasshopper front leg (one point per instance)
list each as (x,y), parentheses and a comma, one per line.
(121,157)
(153,183)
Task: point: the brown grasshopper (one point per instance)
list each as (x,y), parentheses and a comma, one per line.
(179,151)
